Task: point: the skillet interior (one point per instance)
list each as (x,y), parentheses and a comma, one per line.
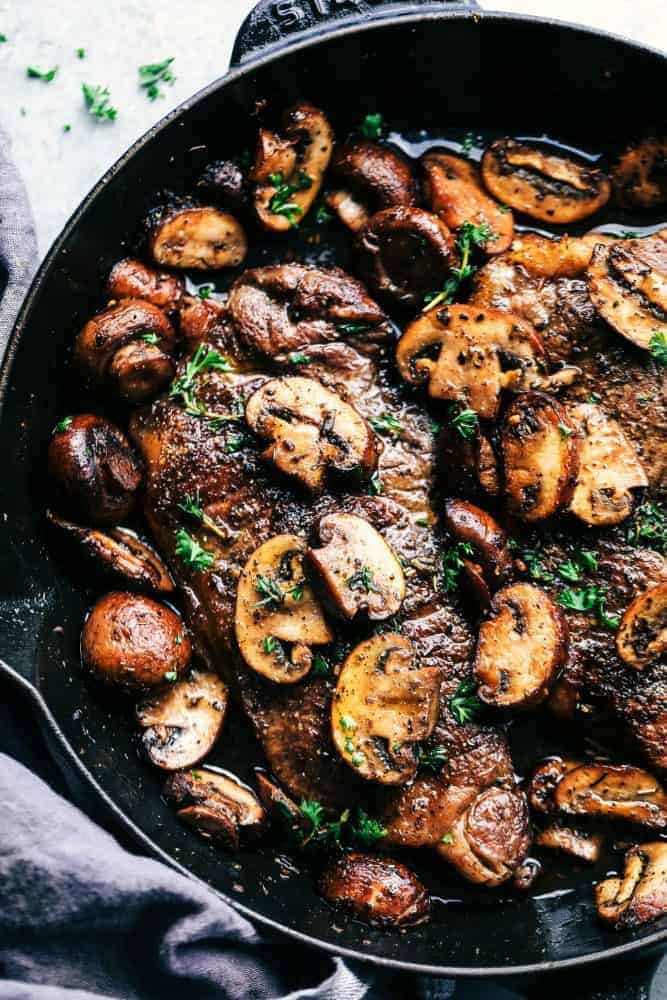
(442,73)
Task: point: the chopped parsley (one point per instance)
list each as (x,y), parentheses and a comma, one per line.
(594,397)
(153,74)
(346,723)
(62,425)
(352,328)
(452,564)
(235,444)
(583,561)
(565,431)
(3,38)
(270,643)
(321,666)
(372,125)
(658,347)
(81,53)
(467,143)
(280,203)
(151,338)
(298,358)
(470,236)
(191,506)
(171,675)
(96,99)
(433,759)
(366,830)
(533,560)
(183,387)
(465,423)
(323,215)
(447,839)
(268,590)
(387,424)
(593,599)
(649,527)
(464,703)
(38,74)
(375,485)
(67,128)
(363,580)
(191,553)
(204,291)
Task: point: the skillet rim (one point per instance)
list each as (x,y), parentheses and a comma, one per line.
(263,58)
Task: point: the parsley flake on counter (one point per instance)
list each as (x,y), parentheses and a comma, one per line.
(37,74)
(372,125)
(67,128)
(97,101)
(153,74)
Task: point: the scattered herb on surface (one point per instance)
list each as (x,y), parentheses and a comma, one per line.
(346,723)
(191,553)
(178,641)
(183,387)
(204,291)
(467,143)
(372,125)
(298,358)
(270,643)
(433,759)
(464,703)
(38,74)
(465,423)
(323,215)
(196,775)
(589,599)
(375,485)
(565,431)
(658,347)
(62,425)
(387,424)
(533,560)
(3,38)
(366,830)
(320,667)
(582,562)
(153,74)
(268,590)
(81,53)
(649,526)
(96,99)
(280,203)
(594,398)
(151,338)
(447,839)
(67,128)
(452,564)
(352,328)
(628,234)
(363,580)
(470,236)
(296,592)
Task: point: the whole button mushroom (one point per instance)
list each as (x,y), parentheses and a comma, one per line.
(371,177)
(130,279)
(199,237)
(133,642)
(94,471)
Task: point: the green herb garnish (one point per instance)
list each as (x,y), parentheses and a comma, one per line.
(97,101)
(37,74)
(268,590)
(658,347)
(649,526)
(565,431)
(323,215)
(593,599)
(371,126)
(452,564)
(205,291)
(280,203)
(183,387)
(153,74)
(171,675)
(434,758)
(470,236)
(191,552)
(151,338)
(464,703)
(320,667)
(366,830)
(270,643)
(363,580)
(298,358)
(387,424)
(465,423)
(62,425)
(81,53)
(375,485)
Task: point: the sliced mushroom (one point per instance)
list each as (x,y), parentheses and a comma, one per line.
(639,175)
(94,471)
(454,192)
(642,635)
(491,557)
(373,177)
(284,308)
(217,805)
(540,456)
(289,168)
(469,355)
(277,617)
(130,279)
(195,237)
(118,553)
(405,253)
(640,894)
(378,890)
(222,184)
(311,431)
(382,706)
(127,348)
(356,570)
(544,186)
(613,791)
(609,469)
(521,648)
(555,257)
(469,464)
(489,839)
(578,844)
(627,282)
(183,722)
(279,805)
(134,642)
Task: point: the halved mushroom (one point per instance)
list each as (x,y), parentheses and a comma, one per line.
(311,431)
(222,184)
(521,648)
(94,470)
(582,845)
(540,456)
(195,236)
(555,257)
(289,168)
(613,791)
(217,805)
(639,175)
(130,279)
(542,185)
(373,177)
(382,706)
(183,722)
(134,642)
(469,355)
(277,617)
(454,192)
(356,571)
(405,253)
(378,890)
(490,564)
(627,282)
(280,806)
(489,840)
(609,468)
(640,894)
(127,348)
(642,635)
(118,553)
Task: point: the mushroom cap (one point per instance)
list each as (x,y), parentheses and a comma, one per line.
(642,634)
(376,889)
(183,722)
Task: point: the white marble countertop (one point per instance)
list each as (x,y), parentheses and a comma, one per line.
(59,166)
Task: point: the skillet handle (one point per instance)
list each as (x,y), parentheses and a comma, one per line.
(273,23)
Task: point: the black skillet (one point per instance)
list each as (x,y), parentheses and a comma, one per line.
(444,68)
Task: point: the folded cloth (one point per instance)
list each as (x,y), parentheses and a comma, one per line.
(18,243)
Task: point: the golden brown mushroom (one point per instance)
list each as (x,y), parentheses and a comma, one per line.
(454,192)
(640,894)
(94,470)
(521,648)
(490,558)
(469,355)
(127,349)
(543,783)
(289,168)
(639,175)
(627,282)
(118,554)
(405,253)
(196,237)
(609,468)
(540,456)
(355,570)
(372,177)
(382,706)
(544,186)
(582,845)
(217,805)
(134,642)
(183,722)
(310,431)
(130,279)
(377,890)
(642,635)
(277,617)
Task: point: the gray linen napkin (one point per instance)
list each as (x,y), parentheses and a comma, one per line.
(18,243)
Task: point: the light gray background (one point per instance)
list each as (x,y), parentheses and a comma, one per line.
(118,36)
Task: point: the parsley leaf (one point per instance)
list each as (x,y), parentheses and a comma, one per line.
(204,291)
(649,526)
(470,236)
(81,53)
(280,203)
(298,358)
(452,564)
(321,666)
(387,424)
(465,423)
(658,347)
(371,126)
(268,590)
(191,552)
(323,215)
(171,675)
(151,338)
(375,484)
(366,830)
(153,74)
(97,101)
(464,703)
(363,580)
(582,562)
(37,74)
(434,758)
(536,570)
(593,599)
(182,388)
(62,425)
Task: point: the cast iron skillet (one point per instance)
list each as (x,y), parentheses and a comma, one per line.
(430,65)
